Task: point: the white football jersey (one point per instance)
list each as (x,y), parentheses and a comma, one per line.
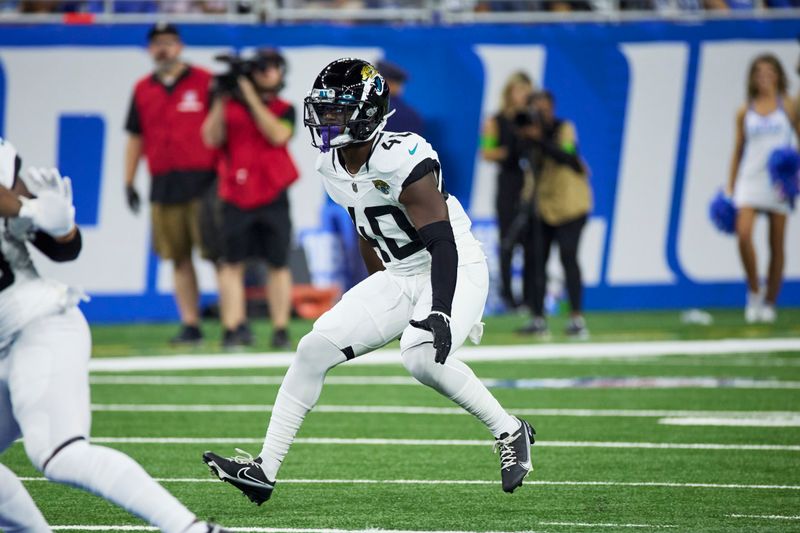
(371,197)
(24,295)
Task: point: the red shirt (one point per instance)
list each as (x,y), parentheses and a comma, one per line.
(169,120)
(253,172)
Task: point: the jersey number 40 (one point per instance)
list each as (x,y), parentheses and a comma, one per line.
(399,252)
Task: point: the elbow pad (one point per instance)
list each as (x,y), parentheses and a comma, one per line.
(441,243)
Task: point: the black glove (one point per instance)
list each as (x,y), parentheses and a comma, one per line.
(439,324)
(134,202)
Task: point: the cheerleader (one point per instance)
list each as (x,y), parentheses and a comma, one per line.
(766,122)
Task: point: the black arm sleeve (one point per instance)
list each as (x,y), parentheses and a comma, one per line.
(58,251)
(289,116)
(132,123)
(440,242)
(552,150)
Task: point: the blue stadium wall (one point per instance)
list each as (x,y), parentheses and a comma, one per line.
(653,102)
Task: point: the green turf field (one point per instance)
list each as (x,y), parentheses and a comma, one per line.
(609,458)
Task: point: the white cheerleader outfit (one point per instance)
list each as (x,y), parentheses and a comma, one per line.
(763,134)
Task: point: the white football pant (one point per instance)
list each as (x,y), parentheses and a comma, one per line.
(44,398)
(370,315)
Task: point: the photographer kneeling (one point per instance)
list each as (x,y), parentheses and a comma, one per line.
(563,201)
(251,126)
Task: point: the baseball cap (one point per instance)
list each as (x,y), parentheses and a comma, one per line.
(390,71)
(162,28)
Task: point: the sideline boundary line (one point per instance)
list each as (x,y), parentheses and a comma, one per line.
(627,383)
(449,411)
(467,353)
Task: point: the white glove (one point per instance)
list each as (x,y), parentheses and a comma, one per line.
(52,210)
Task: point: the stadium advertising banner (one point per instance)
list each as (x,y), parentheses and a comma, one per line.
(653,102)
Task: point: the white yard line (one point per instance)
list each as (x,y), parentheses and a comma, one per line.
(244,380)
(464,442)
(645,382)
(772,421)
(594,524)
(467,353)
(419,410)
(327,530)
(764,516)
(643,484)
(268,529)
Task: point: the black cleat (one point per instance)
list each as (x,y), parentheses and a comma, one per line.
(187,336)
(243,472)
(515,455)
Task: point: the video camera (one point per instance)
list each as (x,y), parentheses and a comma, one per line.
(529,115)
(228,82)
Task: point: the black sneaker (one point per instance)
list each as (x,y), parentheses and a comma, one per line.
(245,334)
(237,338)
(280,339)
(243,472)
(188,335)
(537,326)
(515,455)
(576,329)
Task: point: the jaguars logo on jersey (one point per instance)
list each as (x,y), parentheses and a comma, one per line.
(382,186)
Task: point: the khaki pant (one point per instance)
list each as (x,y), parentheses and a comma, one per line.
(176,229)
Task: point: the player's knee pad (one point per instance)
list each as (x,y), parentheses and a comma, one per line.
(419,361)
(316,352)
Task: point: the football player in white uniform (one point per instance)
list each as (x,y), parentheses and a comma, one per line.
(428,276)
(44,354)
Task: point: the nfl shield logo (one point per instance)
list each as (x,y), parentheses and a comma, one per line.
(381,186)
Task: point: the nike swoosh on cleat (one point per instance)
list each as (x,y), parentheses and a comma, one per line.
(243,476)
(412,151)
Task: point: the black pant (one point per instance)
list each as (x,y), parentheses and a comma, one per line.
(567,236)
(508,208)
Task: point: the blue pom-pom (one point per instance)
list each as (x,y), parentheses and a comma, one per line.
(784,170)
(723,213)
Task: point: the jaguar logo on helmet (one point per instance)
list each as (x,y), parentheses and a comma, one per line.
(368,72)
(348,104)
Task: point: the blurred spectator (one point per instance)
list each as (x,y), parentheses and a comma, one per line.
(166,112)
(252,125)
(39,6)
(405,118)
(765,122)
(502,142)
(783,4)
(563,201)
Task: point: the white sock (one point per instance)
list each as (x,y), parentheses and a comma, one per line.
(298,394)
(18,513)
(120,480)
(458,382)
